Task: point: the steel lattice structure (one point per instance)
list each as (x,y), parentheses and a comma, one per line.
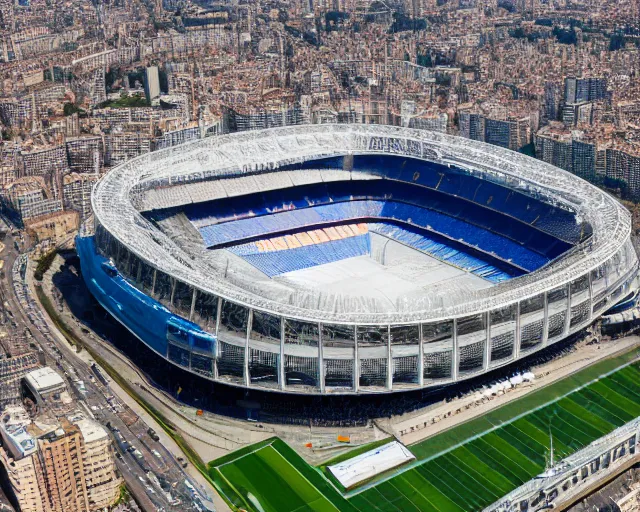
(557,300)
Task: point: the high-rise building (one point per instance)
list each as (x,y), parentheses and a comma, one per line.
(58,461)
(578,90)
(583,159)
(64,467)
(471,125)
(554,149)
(151,83)
(552,99)
(513,133)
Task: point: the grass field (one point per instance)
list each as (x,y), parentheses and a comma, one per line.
(271,477)
(464,469)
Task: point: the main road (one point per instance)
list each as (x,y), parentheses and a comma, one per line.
(152,474)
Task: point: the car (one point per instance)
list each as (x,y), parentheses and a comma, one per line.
(153,435)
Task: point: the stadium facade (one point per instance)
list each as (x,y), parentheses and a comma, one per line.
(352,258)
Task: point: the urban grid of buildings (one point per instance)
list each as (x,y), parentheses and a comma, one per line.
(84,88)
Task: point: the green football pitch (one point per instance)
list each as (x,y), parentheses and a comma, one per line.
(464,469)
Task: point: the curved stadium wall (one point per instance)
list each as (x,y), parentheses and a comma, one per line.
(223,325)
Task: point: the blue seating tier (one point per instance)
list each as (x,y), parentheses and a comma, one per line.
(235,209)
(459,183)
(468,234)
(280,262)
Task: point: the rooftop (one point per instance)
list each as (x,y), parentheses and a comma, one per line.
(91,431)
(44,379)
(16,437)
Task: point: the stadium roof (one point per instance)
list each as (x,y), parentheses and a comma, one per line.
(118,198)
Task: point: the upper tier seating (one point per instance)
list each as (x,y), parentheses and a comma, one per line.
(235,209)
(468,234)
(459,183)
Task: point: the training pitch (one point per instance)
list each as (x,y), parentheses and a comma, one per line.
(464,469)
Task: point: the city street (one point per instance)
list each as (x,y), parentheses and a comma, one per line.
(154,477)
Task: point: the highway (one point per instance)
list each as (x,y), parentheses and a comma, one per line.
(153,476)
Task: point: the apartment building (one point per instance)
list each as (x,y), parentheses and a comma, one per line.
(511,132)
(57,464)
(77,192)
(27,197)
(45,162)
(85,154)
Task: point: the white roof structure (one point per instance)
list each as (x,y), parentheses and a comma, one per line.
(118,198)
(374,462)
(45,380)
(91,431)
(13,427)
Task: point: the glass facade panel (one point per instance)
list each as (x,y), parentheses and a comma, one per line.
(135,270)
(265,328)
(301,333)
(338,373)
(301,371)
(503,326)
(373,372)
(231,362)
(373,341)
(179,355)
(437,339)
(405,353)
(557,306)
(338,336)
(600,306)
(233,323)
(617,266)
(579,285)
(599,282)
(263,368)
(531,333)
(202,364)
(558,295)
(405,335)
(162,288)
(532,305)
(372,335)
(101,240)
(112,249)
(472,336)
(146,278)
(205,312)
(531,323)
(122,258)
(405,370)
(580,290)
(182,297)
(580,313)
(338,342)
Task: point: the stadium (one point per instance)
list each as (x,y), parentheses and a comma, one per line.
(352,259)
